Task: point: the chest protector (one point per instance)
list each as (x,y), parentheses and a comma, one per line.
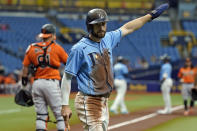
(44,59)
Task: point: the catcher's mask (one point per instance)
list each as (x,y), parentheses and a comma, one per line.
(47,31)
(24,98)
(95,16)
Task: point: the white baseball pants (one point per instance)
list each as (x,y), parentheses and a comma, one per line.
(121,88)
(47,92)
(165,88)
(92,112)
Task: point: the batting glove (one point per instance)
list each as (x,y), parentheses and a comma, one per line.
(159,10)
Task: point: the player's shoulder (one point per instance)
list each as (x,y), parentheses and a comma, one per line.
(112,33)
(79,46)
(57,45)
(30,47)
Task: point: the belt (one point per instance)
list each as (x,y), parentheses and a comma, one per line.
(46,79)
(106,95)
(188,82)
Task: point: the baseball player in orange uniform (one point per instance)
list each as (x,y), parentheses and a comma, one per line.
(187,76)
(46,56)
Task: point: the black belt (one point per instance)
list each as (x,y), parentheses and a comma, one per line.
(46,79)
(106,95)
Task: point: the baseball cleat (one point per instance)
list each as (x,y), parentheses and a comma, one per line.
(186,113)
(163,112)
(125,112)
(113,111)
(191,111)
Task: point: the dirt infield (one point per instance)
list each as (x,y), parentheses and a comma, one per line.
(142,124)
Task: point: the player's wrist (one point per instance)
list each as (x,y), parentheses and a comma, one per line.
(24,80)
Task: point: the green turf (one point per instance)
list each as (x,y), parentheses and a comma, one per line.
(142,101)
(25,119)
(177,124)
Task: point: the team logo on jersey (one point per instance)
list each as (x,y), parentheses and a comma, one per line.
(94,57)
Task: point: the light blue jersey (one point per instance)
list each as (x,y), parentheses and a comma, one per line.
(120,70)
(166,68)
(91,63)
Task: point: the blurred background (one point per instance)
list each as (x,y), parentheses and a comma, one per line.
(174,34)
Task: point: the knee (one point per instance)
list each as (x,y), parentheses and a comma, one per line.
(41,121)
(42,117)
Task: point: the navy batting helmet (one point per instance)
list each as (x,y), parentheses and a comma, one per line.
(47,30)
(95,16)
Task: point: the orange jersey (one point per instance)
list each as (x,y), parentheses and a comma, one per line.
(187,74)
(55,55)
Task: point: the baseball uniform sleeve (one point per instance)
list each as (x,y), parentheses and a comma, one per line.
(180,73)
(26,60)
(115,37)
(74,62)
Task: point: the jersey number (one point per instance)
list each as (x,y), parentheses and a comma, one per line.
(43,61)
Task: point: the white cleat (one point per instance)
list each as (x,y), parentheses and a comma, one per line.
(113,111)
(163,112)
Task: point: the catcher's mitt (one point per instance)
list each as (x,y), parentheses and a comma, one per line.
(194,94)
(24,98)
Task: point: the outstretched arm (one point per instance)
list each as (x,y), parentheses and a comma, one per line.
(135,24)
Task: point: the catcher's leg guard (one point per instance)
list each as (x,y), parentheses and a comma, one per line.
(41,121)
(185,105)
(59,118)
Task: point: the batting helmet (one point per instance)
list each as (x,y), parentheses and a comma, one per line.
(95,16)
(120,59)
(165,57)
(24,98)
(47,30)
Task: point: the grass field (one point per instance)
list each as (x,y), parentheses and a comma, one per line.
(177,124)
(17,118)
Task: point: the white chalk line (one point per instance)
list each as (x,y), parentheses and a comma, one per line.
(140,119)
(9,111)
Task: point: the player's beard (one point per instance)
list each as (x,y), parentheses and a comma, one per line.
(99,34)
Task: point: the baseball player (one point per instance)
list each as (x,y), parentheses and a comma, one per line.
(120,83)
(187,76)
(166,83)
(90,61)
(46,56)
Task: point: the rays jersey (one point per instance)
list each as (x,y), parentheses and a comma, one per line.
(166,69)
(120,70)
(91,63)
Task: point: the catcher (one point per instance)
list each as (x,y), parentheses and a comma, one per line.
(46,56)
